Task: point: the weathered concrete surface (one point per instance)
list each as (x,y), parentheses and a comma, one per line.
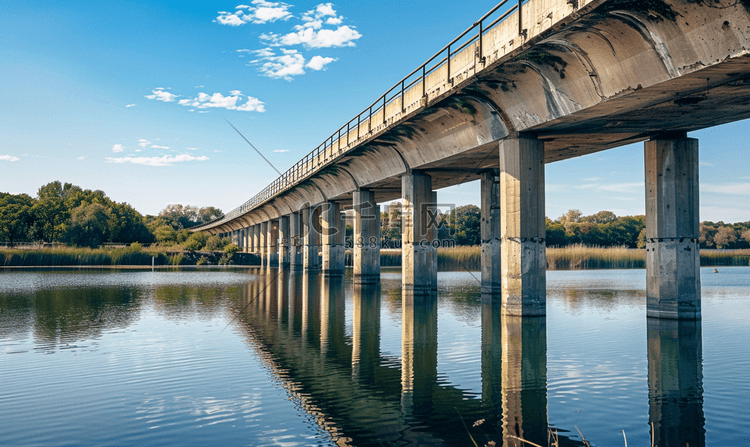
(491,235)
(311,228)
(523,248)
(673,285)
(366,238)
(272,240)
(297,248)
(418,253)
(284,245)
(333,239)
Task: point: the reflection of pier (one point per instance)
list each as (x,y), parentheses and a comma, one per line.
(675,383)
(360,396)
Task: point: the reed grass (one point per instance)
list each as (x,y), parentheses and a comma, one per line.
(572,257)
(69,256)
(583,257)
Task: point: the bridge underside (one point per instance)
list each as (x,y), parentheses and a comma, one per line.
(583,77)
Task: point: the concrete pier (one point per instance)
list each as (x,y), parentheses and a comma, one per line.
(272,241)
(491,239)
(284,241)
(296,239)
(523,252)
(673,284)
(263,244)
(311,223)
(255,238)
(333,239)
(419,228)
(366,237)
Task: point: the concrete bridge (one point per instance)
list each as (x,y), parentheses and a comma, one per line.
(530,83)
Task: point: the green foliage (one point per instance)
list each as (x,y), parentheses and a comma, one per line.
(202,261)
(88,225)
(15,217)
(216,243)
(231,249)
(165,234)
(181,217)
(195,241)
(465,225)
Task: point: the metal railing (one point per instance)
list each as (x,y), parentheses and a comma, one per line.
(351,132)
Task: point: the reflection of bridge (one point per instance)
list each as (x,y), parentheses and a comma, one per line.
(297,323)
(542,81)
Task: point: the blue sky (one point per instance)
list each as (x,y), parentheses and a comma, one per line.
(131,97)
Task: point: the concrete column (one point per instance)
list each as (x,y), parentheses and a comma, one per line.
(366,238)
(311,222)
(673,285)
(490,229)
(333,238)
(272,240)
(523,248)
(296,239)
(419,255)
(254,238)
(284,241)
(675,382)
(262,241)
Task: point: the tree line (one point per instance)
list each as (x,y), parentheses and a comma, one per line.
(603,229)
(63,212)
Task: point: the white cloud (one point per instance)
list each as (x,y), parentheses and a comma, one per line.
(154,146)
(165,160)
(261,11)
(290,63)
(130,105)
(343,36)
(705,163)
(118,148)
(318,62)
(281,151)
(160,94)
(234,101)
(80,158)
(143,142)
(8,158)
(192,148)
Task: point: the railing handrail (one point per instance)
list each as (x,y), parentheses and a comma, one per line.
(300,171)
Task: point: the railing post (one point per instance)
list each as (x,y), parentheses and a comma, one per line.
(424,80)
(384,110)
(358,124)
(520,18)
(449,64)
(481,48)
(402,97)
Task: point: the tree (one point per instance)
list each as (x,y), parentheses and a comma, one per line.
(602,217)
(466,225)
(746,235)
(179,216)
(15,217)
(555,233)
(208,214)
(88,225)
(725,236)
(127,225)
(707,232)
(196,241)
(165,234)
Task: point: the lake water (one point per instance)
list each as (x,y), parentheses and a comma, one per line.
(253,357)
